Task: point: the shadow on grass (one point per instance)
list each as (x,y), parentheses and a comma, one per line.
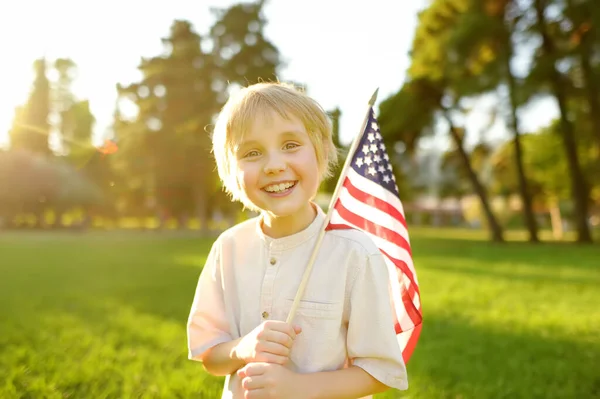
(142,272)
(99,318)
(453,265)
(457,360)
(486,253)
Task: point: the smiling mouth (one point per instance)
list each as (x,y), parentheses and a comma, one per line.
(280,187)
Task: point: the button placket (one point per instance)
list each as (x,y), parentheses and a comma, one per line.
(268,284)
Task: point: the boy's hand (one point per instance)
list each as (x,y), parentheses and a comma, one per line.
(270,342)
(270,381)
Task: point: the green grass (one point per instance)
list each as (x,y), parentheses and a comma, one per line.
(102,315)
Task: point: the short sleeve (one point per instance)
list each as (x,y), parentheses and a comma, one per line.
(372,342)
(207,324)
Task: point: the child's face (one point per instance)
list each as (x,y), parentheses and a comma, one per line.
(277,166)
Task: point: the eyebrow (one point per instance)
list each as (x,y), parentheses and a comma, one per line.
(292,133)
(287,133)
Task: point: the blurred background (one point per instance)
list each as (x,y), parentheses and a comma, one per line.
(109,197)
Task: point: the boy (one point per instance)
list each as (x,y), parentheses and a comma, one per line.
(273,147)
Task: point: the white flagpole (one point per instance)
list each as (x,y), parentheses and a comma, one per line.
(311,261)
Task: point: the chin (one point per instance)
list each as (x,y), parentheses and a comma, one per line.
(284,211)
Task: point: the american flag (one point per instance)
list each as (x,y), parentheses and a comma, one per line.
(369,201)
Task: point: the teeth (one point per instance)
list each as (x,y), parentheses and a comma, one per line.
(275,188)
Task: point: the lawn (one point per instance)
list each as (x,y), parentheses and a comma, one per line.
(102,315)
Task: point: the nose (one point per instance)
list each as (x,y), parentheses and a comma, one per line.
(275,164)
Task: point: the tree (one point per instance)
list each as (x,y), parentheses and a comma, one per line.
(63,100)
(27,183)
(455,182)
(32,183)
(82,121)
(583,41)
(165,150)
(549,176)
(241,51)
(328,185)
(547,61)
(31,127)
(438,79)
(495,22)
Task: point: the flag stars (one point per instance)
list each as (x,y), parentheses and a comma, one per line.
(371,159)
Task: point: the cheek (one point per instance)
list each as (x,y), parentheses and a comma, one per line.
(247,177)
(310,167)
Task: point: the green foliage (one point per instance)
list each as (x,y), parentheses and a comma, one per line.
(440,76)
(241,50)
(31,183)
(31,126)
(165,151)
(409,114)
(82,121)
(545,160)
(328,185)
(166,148)
(455,180)
(63,101)
(26,180)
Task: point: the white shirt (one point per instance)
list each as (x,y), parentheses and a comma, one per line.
(345,313)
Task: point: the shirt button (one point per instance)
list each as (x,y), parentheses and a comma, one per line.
(265,315)
(273,261)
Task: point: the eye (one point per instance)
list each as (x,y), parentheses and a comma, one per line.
(290,146)
(251,154)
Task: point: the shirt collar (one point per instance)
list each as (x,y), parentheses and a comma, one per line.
(295,239)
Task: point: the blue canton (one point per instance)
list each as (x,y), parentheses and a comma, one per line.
(371,159)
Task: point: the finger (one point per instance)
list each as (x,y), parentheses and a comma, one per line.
(272,347)
(297,329)
(260,393)
(253,382)
(279,337)
(271,359)
(254,369)
(241,373)
(281,326)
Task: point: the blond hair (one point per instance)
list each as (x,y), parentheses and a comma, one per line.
(238,115)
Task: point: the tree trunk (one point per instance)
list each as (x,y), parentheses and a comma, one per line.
(579,191)
(584,49)
(523,185)
(495,228)
(591,88)
(202,209)
(202,203)
(556,220)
